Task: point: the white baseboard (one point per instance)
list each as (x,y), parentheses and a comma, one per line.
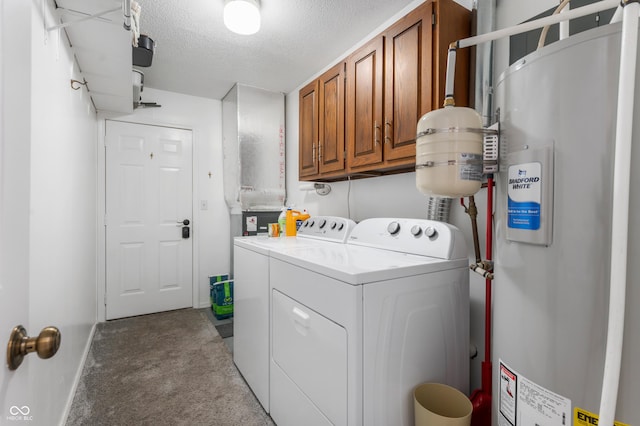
(76,380)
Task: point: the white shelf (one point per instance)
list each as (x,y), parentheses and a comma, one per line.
(102,48)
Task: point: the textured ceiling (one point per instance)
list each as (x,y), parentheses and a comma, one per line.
(196,54)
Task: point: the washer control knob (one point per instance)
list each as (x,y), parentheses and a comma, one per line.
(322,223)
(311,223)
(333,225)
(430,231)
(393,228)
(341,227)
(416,230)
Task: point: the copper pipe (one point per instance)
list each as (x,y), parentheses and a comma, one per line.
(472,211)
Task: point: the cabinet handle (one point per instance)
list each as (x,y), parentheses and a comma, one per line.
(387,125)
(376,131)
(319,152)
(313,152)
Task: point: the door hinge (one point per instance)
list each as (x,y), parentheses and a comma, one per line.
(105,299)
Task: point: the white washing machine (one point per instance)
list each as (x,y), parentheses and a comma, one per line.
(251,294)
(355,327)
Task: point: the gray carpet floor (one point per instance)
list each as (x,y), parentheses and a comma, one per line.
(170,368)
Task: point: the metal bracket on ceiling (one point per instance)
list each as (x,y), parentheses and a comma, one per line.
(84,18)
(126,12)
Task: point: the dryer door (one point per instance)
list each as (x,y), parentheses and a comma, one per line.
(311,350)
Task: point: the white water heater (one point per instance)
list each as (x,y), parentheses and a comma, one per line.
(551,290)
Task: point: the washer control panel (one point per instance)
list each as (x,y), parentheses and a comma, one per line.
(330,228)
(412,236)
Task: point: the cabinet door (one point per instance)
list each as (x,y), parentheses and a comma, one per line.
(331,149)
(452,22)
(308,131)
(364,105)
(408,75)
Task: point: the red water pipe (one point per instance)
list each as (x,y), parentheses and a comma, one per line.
(481,398)
(486,364)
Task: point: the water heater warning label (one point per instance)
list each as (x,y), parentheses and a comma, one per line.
(525,403)
(524,195)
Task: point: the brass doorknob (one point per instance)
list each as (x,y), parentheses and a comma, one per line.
(46,344)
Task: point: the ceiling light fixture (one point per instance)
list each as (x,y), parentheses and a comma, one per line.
(242,16)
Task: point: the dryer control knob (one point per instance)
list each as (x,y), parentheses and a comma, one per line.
(340,227)
(393,228)
(416,230)
(430,232)
(333,225)
(322,223)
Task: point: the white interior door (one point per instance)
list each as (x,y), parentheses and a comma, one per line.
(16,400)
(148,201)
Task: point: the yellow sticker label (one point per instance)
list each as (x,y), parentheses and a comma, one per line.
(585,418)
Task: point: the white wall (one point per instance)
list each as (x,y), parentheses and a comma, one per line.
(210,230)
(396,195)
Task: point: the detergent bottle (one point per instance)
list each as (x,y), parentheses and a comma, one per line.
(301,218)
(290,227)
(282,221)
(293,221)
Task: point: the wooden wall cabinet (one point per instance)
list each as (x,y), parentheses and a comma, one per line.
(391,81)
(322,150)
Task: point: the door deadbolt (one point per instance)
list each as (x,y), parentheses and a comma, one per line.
(46,345)
(185,228)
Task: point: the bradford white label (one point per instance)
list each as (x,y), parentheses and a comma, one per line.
(525,192)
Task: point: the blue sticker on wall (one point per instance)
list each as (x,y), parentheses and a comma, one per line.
(524,192)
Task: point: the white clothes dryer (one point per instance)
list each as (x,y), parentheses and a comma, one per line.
(355,327)
(251,294)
